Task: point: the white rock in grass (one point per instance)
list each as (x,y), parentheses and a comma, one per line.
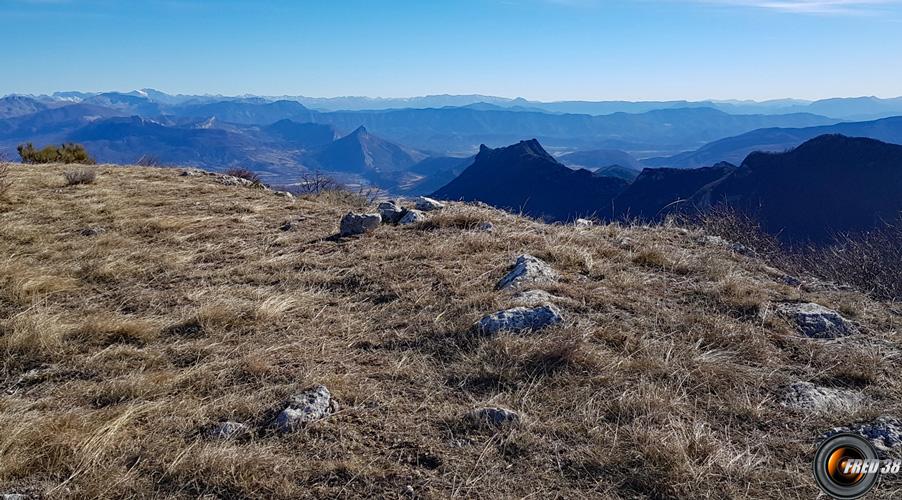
(412,217)
(816,321)
(311,405)
(486,227)
(494,417)
(885,432)
(583,223)
(353,223)
(427,204)
(228,430)
(283,194)
(520,319)
(390,211)
(807,396)
(527,269)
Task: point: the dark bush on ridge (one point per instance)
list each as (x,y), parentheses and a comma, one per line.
(243,173)
(65,153)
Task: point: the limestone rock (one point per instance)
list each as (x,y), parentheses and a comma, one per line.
(229,180)
(493,417)
(412,217)
(583,223)
(520,319)
(228,430)
(283,194)
(807,396)
(486,227)
(390,211)
(817,321)
(427,204)
(527,269)
(885,432)
(354,223)
(311,405)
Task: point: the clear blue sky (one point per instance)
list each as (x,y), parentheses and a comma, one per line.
(538,49)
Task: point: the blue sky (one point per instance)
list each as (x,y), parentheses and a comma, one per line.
(538,49)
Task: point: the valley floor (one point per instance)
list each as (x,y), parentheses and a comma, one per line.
(138,311)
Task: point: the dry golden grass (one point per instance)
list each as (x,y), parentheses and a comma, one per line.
(192,307)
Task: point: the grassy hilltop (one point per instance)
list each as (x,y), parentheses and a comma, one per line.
(138,310)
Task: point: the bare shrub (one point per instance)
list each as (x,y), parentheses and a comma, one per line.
(243,173)
(148,160)
(316,182)
(83,176)
(5,181)
(870,261)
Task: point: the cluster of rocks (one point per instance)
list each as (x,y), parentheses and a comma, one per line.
(301,409)
(389,212)
(534,310)
(231,180)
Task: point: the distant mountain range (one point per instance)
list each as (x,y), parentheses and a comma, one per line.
(734,149)
(851,108)
(279,137)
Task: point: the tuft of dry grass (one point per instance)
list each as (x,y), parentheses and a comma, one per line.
(79,177)
(192,308)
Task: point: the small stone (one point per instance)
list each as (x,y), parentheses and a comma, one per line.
(527,269)
(742,249)
(520,319)
(287,226)
(15,496)
(583,223)
(486,227)
(311,405)
(716,241)
(885,432)
(427,204)
(191,172)
(412,217)
(791,280)
(807,396)
(92,231)
(353,223)
(816,321)
(283,194)
(390,211)
(228,430)
(493,417)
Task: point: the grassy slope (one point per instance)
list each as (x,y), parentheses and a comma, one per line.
(193,308)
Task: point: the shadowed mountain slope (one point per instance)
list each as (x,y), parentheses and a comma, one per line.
(524,177)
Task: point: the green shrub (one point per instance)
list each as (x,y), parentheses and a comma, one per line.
(65,153)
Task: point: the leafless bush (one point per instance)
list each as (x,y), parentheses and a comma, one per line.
(243,173)
(5,181)
(870,261)
(316,183)
(76,177)
(148,160)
